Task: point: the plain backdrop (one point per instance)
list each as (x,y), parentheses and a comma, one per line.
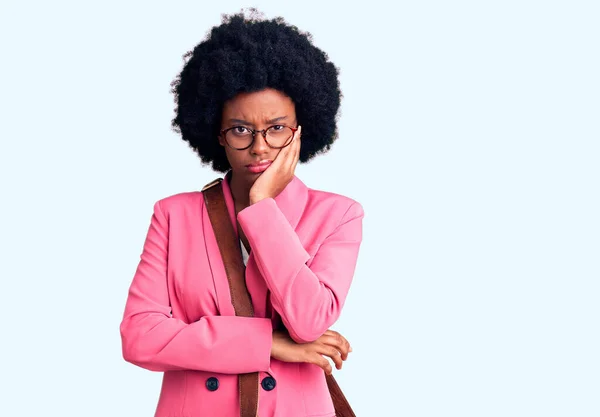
(469,131)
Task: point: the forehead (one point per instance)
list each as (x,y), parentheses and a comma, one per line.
(259,105)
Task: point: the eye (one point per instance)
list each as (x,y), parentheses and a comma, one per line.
(240,130)
(277,128)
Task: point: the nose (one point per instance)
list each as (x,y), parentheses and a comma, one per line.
(259,146)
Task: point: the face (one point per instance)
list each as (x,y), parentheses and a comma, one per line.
(257,110)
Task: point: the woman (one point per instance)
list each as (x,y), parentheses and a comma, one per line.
(252,100)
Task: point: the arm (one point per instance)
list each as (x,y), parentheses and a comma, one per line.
(154,340)
(309,300)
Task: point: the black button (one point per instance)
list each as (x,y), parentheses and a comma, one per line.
(268,383)
(212,384)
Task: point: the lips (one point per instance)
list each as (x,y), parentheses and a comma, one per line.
(259,164)
(258,167)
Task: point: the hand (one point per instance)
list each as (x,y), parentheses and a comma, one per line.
(279,174)
(330,344)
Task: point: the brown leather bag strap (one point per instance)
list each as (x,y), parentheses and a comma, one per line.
(242,304)
(230,250)
(234,267)
(340,403)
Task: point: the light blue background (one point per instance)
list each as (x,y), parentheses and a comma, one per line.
(469,132)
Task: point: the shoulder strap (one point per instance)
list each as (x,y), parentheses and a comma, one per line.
(234,267)
(229,248)
(340,403)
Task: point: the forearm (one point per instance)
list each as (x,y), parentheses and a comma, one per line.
(222,344)
(309,299)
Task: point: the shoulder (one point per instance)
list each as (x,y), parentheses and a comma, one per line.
(334,204)
(183,201)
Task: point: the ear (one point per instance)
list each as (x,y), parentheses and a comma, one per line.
(221,140)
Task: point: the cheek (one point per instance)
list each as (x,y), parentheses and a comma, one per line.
(235,158)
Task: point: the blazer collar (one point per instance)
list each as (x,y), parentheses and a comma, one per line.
(291,201)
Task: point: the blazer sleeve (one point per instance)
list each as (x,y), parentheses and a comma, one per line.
(153,339)
(309,300)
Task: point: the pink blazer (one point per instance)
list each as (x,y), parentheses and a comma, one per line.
(179,318)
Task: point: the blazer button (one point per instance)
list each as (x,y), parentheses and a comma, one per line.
(212,384)
(268,383)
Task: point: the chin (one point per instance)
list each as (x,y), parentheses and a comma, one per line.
(248,176)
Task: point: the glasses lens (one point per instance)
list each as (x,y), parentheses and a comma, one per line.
(279,136)
(239,137)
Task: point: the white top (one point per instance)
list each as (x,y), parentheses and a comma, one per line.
(244,252)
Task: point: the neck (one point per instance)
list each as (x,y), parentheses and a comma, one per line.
(240,191)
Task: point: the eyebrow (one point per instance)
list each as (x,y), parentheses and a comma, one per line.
(244,122)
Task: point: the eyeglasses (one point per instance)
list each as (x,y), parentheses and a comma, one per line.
(242,137)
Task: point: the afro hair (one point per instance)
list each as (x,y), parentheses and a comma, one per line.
(247,54)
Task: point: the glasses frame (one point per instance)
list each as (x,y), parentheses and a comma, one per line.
(223,134)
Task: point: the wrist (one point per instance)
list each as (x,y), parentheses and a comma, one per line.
(256,198)
(275,343)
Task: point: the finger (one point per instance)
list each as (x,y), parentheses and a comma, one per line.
(341,340)
(293,148)
(298,135)
(295,137)
(323,363)
(338,341)
(288,154)
(298,142)
(294,166)
(297,146)
(337,354)
(331,334)
(343,347)
(284,153)
(333,353)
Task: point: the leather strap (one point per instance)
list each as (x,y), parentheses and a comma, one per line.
(242,304)
(234,267)
(340,403)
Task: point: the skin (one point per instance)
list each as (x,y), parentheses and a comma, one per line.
(259,110)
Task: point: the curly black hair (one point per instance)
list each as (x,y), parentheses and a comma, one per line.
(247,54)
